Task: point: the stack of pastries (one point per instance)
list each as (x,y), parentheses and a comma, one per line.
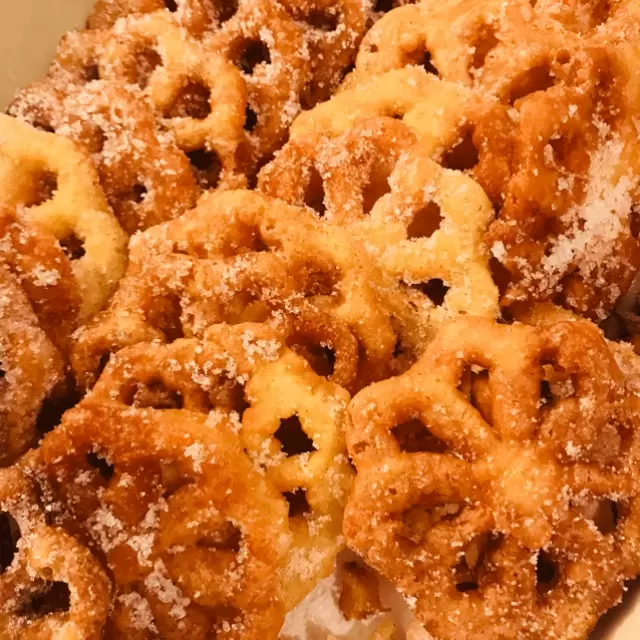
(334,297)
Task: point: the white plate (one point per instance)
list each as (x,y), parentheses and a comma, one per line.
(29,32)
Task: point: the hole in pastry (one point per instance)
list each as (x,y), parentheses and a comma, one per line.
(193,101)
(153,395)
(421,57)
(463,156)
(500,274)
(414,437)
(563,57)
(435,289)
(466,584)
(257,243)
(546,397)
(634,221)
(321,358)
(298,504)
(360,447)
(320,283)
(227,538)
(555,385)
(399,347)
(474,383)
(206,168)
(172,479)
(91,72)
(102,363)
(52,410)
(136,194)
(405,349)
(73,246)
(314,194)
(2,373)
(292,437)
(225,10)
(51,597)
(246,307)
(254,53)
(481,397)
(42,125)
(601,12)
(605,515)
(614,328)
(146,62)
(384,6)
(485,42)
(561,150)
(171,5)
(95,139)
(252,175)
(426,221)
(250,119)
(547,573)
(474,554)
(100,463)
(347,70)
(419,519)
(427,64)
(307,98)
(377,187)
(536,79)
(323,20)
(45,184)
(124,201)
(9,536)
(229,395)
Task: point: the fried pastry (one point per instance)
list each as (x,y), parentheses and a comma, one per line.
(547,103)
(31,367)
(241,256)
(296,322)
(423,225)
(238,400)
(51,586)
(145,177)
(55,186)
(518,493)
